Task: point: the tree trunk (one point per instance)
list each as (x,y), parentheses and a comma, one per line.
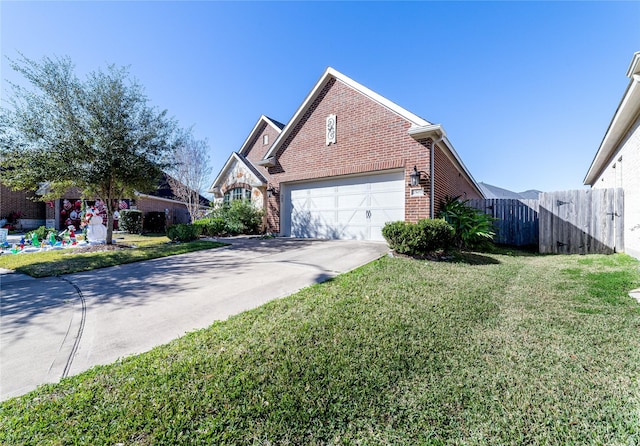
(109,205)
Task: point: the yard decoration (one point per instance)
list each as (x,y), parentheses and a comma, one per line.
(34,240)
(96,231)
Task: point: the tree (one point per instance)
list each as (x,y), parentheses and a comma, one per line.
(99,135)
(189,172)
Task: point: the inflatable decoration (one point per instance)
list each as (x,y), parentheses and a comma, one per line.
(96,231)
(72,235)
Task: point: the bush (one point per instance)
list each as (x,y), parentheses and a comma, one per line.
(131,221)
(242,217)
(420,238)
(473,228)
(183,232)
(212,227)
(239,217)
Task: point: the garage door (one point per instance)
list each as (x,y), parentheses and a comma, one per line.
(344,208)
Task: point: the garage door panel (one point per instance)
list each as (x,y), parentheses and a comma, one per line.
(345,208)
(351,201)
(352,218)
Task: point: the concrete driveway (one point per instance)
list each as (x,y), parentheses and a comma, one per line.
(56,327)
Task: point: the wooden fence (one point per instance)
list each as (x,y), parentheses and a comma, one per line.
(516,220)
(564,222)
(582,221)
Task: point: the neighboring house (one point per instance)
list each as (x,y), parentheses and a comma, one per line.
(57,213)
(344,165)
(32,214)
(617,162)
(491,191)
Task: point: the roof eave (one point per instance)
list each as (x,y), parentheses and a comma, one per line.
(434,131)
(267,162)
(625,115)
(215,186)
(437,133)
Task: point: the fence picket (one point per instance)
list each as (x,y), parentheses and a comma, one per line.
(568,222)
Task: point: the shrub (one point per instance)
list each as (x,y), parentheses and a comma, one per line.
(239,217)
(183,232)
(420,238)
(473,228)
(434,235)
(242,217)
(212,227)
(131,221)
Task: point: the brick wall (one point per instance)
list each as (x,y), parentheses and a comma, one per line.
(370,138)
(257,149)
(449,181)
(33,212)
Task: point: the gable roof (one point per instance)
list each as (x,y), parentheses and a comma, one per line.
(277,126)
(624,117)
(328,75)
(419,127)
(239,159)
(164,190)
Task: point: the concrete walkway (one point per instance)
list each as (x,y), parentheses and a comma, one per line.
(60,326)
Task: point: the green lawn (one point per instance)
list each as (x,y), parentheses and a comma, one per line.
(64,261)
(497,349)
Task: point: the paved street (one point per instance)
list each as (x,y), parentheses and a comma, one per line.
(56,327)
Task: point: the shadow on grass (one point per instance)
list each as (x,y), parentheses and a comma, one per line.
(472,258)
(486,256)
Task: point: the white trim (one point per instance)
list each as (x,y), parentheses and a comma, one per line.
(329,74)
(624,117)
(268,162)
(153,197)
(434,131)
(234,157)
(437,133)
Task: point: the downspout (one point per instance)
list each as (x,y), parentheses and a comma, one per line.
(432,181)
(432,172)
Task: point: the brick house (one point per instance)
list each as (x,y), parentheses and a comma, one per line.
(347,162)
(617,161)
(32,213)
(55,213)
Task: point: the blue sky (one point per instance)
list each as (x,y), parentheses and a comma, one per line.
(525,90)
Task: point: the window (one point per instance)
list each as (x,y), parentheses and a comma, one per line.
(265,139)
(238,193)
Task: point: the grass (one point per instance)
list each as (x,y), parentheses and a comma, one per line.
(500,349)
(52,263)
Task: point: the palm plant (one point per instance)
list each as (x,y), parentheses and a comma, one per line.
(473,228)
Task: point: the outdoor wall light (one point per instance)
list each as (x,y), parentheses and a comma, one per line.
(271,191)
(415,176)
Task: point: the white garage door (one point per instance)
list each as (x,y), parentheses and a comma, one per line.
(344,208)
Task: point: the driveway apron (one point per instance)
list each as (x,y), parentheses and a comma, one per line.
(60,326)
